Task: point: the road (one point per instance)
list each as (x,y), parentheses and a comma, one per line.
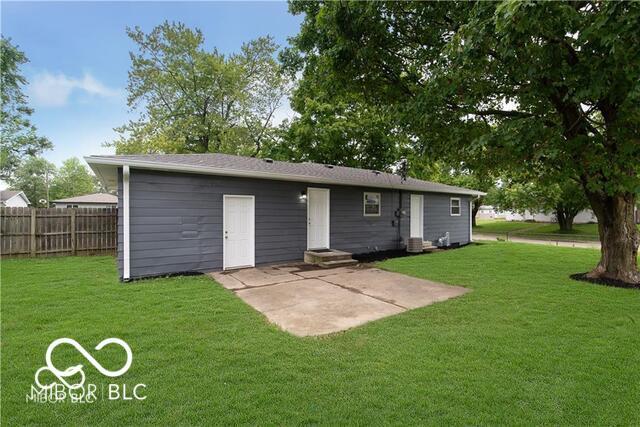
(588,245)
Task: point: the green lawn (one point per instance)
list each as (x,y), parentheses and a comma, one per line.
(527,346)
(537,229)
(501,226)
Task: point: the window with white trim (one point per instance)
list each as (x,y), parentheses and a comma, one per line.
(454,206)
(371,204)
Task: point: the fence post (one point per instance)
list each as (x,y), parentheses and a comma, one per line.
(33,232)
(73,232)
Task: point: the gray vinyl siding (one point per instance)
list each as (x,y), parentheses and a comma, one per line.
(176,220)
(353,232)
(438,219)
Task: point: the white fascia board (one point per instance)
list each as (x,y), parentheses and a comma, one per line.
(208,170)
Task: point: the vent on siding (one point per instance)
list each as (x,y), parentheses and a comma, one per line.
(268,160)
(189,227)
(376,172)
(328,166)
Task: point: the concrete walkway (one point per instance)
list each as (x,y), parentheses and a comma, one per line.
(306,300)
(561,243)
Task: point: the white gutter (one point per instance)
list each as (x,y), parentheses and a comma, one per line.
(209,170)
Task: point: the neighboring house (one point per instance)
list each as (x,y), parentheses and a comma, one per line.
(13,199)
(488,212)
(97,200)
(584,217)
(204,212)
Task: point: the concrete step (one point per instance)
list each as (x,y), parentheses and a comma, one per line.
(337,263)
(316,257)
(430,248)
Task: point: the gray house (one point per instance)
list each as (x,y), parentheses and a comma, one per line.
(205,212)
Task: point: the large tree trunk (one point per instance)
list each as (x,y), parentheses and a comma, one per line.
(476,208)
(619,237)
(565,217)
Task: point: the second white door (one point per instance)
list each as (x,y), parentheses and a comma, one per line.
(318,218)
(239,231)
(417,215)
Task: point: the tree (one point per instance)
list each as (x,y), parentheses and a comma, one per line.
(340,133)
(336,127)
(196,101)
(550,85)
(18,135)
(72,179)
(33,176)
(565,200)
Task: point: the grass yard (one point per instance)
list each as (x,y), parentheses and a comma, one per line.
(527,346)
(500,226)
(538,229)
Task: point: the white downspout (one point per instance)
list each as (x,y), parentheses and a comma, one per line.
(470,220)
(126,274)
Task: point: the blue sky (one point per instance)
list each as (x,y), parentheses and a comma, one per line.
(79,57)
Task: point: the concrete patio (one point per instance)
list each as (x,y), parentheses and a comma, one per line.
(308,300)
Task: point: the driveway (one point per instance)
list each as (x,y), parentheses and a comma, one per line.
(307,300)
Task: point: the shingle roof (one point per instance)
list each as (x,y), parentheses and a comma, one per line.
(90,198)
(7,194)
(216,163)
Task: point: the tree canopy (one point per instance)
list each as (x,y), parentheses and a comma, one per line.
(18,135)
(42,182)
(565,200)
(34,176)
(519,85)
(72,179)
(195,101)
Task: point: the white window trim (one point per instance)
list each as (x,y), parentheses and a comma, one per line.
(451,206)
(364,203)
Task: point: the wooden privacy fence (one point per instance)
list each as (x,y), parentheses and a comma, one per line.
(57,231)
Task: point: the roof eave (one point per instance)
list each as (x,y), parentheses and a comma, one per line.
(95,162)
(21,195)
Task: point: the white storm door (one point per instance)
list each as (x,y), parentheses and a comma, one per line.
(238,232)
(417,215)
(317,218)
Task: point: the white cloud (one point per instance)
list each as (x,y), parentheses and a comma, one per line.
(54,90)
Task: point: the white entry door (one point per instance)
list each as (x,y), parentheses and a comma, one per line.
(417,215)
(317,218)
(238,232)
